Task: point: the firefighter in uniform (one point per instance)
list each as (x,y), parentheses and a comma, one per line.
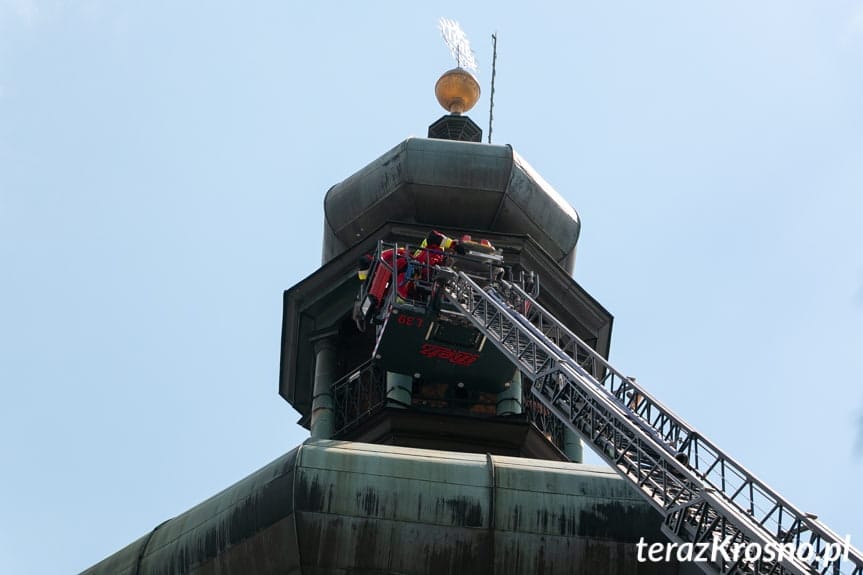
(407,267)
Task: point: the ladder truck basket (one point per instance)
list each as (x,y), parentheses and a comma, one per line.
(418,332)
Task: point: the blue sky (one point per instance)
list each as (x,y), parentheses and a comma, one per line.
(162,171)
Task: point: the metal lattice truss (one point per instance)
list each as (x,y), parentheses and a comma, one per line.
(705,496)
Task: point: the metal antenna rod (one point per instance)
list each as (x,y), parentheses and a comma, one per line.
(493,72)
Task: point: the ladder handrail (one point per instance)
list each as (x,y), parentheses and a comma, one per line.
(595,356)
(633,433)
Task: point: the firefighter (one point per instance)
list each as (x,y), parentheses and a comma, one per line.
(436,240)
(363,265)
(391,260)
(406,266)
(432,252)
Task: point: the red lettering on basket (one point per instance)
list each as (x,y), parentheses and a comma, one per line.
(454,356)
(410,320)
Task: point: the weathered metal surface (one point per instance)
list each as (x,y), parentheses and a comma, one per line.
(449,184)
(244,529)
(333,507)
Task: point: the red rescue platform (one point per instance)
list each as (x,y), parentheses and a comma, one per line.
(417,334)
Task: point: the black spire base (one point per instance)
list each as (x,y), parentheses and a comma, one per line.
(456,127)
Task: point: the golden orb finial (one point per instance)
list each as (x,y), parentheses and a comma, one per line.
(457,91)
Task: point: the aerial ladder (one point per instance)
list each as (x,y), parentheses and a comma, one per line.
(707,499)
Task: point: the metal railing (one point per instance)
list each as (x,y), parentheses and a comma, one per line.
(542,419)
(413,270)
(362,393)
(358,395)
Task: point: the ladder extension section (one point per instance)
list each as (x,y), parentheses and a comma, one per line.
(703,494)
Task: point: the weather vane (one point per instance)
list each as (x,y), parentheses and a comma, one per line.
(458,44)
(457,90)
